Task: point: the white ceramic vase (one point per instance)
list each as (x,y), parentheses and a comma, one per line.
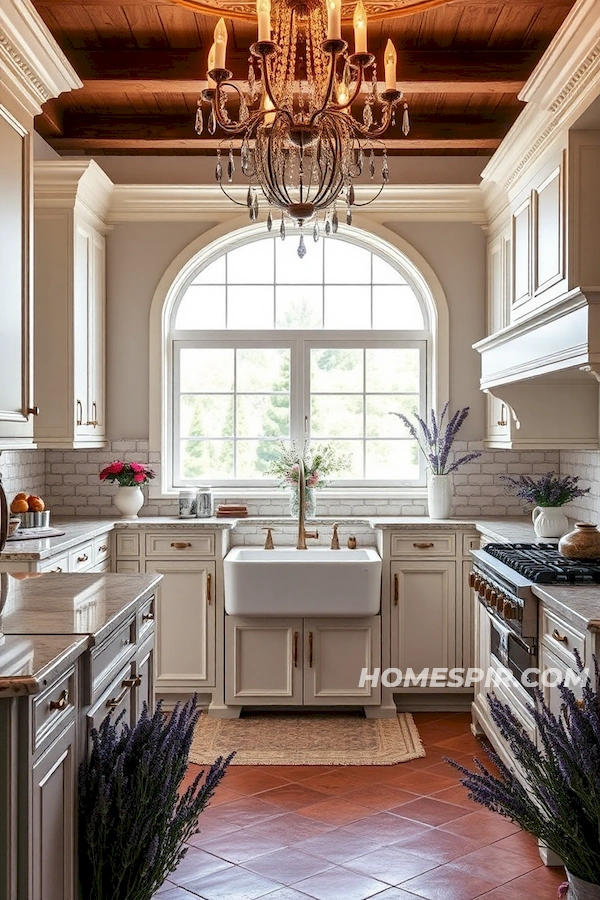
(581,890)
(549,521)
(129,501)
(439,496)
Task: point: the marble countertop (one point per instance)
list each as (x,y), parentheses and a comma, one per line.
(579,604)
(76,531)
(95,604)
(174,522)
(29,662)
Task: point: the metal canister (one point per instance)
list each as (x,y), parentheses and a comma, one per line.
(204,503)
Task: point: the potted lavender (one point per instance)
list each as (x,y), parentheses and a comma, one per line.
(547,494)
(133,818)
(559,800)
(435,442)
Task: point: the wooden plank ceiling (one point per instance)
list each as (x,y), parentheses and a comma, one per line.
(460,64)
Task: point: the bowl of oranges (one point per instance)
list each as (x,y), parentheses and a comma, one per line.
(30,510)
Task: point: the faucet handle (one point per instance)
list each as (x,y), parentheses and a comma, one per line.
(269,545)
(335,541)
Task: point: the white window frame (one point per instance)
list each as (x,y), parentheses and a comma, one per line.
(368,232)
(300,343)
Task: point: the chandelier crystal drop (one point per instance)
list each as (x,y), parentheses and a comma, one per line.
(302,146)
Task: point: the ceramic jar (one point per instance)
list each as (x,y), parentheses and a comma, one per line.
(439,496)
(549,521)
(129,501)
(581,543)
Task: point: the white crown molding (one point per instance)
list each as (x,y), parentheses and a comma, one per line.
(561,87)
(187,203)
(73,184)
(35,68)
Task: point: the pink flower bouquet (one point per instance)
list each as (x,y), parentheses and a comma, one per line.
(127,474)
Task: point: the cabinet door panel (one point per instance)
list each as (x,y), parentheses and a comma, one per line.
(522,254)
(53,818)
(263,661)
(15,331)
(185,623)
(144,669)
(549,232)
(335,653)
(424,615)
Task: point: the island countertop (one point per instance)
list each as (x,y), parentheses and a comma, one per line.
(61,615)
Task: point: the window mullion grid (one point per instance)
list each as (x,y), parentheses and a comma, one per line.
(364,415)
(235,413)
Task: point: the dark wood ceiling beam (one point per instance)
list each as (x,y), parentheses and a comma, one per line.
(183,71)
(395,147)
(50,122)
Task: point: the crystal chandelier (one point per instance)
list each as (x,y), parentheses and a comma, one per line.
(301,146)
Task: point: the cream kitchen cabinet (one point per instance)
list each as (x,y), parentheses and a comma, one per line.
(301,662)
(185,622)
(93,554)
(70,204)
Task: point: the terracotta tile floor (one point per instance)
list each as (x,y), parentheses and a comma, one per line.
(350,833)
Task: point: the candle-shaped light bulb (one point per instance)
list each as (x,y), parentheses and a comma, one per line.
(267,105)
(334,20)
(220,44)
(390,58)
(211,83)
(263,11)
(343,95)
(360,28)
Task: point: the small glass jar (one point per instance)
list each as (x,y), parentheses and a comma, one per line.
(187,504)
(204,503)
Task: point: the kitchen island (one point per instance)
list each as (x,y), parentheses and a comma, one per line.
(72,649)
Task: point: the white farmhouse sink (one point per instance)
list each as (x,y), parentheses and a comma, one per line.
(289,582)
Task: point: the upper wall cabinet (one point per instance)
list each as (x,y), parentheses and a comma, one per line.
(33,70)
(70,203)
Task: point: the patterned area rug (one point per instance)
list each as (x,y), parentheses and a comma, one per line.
(307,739)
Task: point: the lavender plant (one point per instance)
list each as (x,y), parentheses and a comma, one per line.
(559,803)
(133,820)
(435,441)
(547,490)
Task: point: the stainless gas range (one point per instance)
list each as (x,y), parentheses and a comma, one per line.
(502,575)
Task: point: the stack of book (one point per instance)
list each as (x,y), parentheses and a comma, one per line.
(229,510)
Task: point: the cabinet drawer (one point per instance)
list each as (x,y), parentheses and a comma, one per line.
(470,542)
(112,653)
(424,544)
(128,567)
(119,696)
(164,544)
(53,708)
(128,544)
(561,638)
(101,548)
(57,564)
(81,558)
(145,619)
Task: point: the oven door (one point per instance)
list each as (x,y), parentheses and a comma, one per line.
(512,651)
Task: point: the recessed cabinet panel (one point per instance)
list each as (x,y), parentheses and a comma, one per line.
(263,660)
(15,425)
(424,614)
(335,653)
(521,254)
(185,623)
(53,821)
(549,233)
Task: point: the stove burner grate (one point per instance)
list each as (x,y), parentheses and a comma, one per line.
(543,564)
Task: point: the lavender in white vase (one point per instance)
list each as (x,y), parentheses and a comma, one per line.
(435,440)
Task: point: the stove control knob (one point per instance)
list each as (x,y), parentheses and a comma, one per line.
(481,588)
(493,600)
(510,610)
(472,579)
(500,600)
(488,593)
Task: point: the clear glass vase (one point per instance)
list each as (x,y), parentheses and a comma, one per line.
(310,503)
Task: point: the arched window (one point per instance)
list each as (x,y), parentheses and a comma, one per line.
(263,346)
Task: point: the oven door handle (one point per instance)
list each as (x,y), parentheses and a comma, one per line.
(506,632)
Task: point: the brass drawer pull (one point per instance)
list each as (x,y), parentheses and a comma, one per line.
(94,420)
(103,548)
(310,649)
(295,649)
(61,702)
(57,569)
(209,588)
(561,638)
(148,617)
(396,590)
(423,545)
(79,408)
(126,684)
(180,545)
(82,559)
(33,411)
